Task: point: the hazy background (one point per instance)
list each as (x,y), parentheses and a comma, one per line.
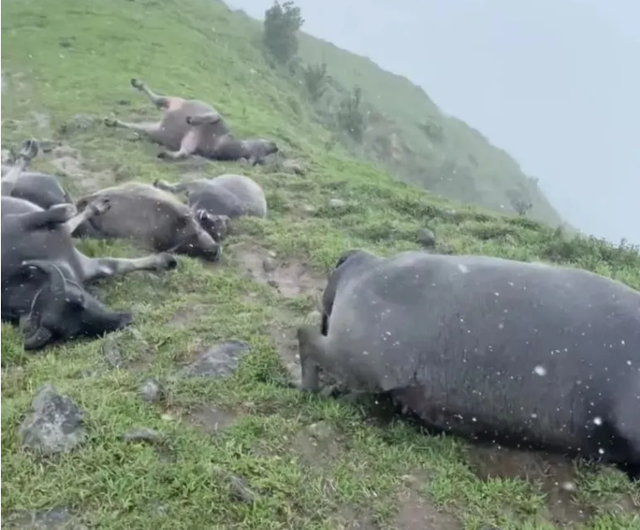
(556,83)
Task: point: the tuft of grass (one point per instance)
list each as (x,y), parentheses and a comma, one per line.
(312,463)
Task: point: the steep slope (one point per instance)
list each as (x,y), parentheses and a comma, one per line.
(437,151)
(246,452)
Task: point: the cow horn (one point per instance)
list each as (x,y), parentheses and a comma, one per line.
(37,339)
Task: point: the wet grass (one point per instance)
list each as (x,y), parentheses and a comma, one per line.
(71,57)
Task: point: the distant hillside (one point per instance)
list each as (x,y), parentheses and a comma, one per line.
(410,136)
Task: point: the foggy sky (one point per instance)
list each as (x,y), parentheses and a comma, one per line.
(556,83)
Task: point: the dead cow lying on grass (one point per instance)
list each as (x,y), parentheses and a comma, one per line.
(152,218)
(487,347)
(215,201)
(192,127)
(43,274)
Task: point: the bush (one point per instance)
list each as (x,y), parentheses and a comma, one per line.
(350,115)
(281,23)
(316,80)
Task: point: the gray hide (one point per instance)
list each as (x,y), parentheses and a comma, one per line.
(482,346)
(188,126)
(43,274)
(215,201)
(153,218)
(38,188)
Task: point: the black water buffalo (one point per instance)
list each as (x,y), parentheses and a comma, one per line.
(485,347)
(44,275)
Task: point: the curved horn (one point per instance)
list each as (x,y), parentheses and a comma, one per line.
(38,339)
(58,281)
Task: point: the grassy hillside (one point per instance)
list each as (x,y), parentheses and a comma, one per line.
(414,139)
(248,452)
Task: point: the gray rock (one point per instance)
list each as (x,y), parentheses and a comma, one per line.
(292,166)
(141,434)
(220,361)
(241,491)
(54,519)
(426,238)
(269,265)
(322,430)
(337,203)
(56,425)
(152,391)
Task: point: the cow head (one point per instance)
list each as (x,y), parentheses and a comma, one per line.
(62,309)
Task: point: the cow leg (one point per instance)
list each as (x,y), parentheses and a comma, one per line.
(173,188)
(313,355)
(188,147)
(99,268)
(57,214)
(158,101)
(28,151)
(146,128)
(94,208)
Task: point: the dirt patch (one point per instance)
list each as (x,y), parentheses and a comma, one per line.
(185,316)
(555,474)
(209,419)
(349,518)
(68,162)
(317,444)
(417,513)
(289,277)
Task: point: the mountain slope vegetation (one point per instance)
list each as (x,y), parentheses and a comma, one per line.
(247,451)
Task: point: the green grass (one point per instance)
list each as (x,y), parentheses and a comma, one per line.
(73,56)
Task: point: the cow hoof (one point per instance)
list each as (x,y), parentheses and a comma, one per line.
(29,149)
(167,261)
(188,119)
(136,83)
(110,122)
(163,155)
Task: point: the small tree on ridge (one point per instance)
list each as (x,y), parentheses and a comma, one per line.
(281,23)
(316,80)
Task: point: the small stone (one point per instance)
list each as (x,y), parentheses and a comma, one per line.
(141,434)
(426,238)
(272,254)
(241,490)
(152,391)
(221,360)
(292,166)
(322,430)
(308,208)
(269,265)
(56,425)
(314,316)
(337,203)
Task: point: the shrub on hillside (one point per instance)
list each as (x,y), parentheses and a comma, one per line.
(316,80)
(350,115)
(281,23)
